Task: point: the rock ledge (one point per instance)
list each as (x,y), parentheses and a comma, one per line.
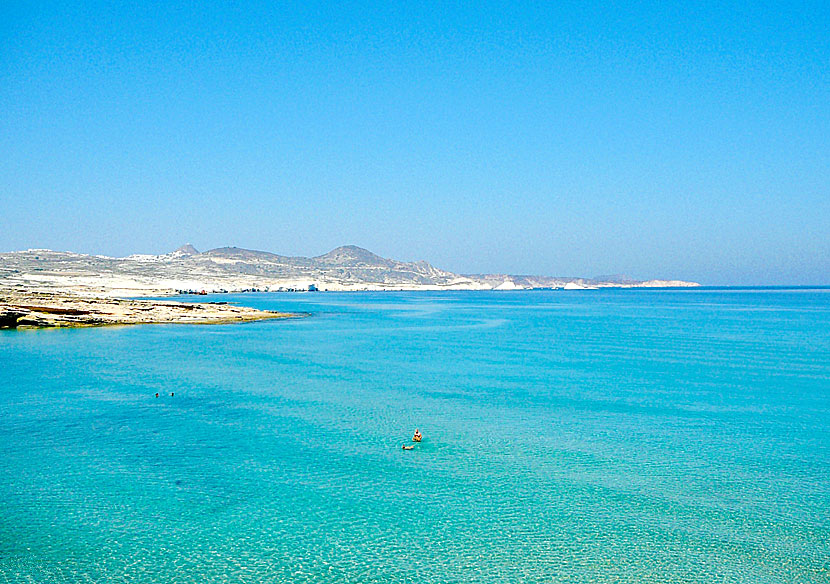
(40,310)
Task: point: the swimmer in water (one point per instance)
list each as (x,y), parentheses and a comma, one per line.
(417,437)
(405,447)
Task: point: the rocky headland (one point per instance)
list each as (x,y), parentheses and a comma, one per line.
(41,310)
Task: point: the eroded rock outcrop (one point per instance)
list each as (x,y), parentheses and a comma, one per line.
(40,310)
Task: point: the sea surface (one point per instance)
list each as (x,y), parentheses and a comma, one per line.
(622,436)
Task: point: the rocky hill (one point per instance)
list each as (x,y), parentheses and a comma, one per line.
(232,269)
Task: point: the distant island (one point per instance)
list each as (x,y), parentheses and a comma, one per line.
(232,269)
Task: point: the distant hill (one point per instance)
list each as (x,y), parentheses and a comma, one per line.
(186,250)
(233,269)
(351,255)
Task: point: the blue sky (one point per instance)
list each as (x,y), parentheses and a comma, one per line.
(667,140)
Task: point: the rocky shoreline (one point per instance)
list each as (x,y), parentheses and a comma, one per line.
(230,269)
(47,310)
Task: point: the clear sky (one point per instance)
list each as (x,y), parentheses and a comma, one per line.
(669,140)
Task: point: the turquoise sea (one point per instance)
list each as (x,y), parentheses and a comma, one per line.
(586,436)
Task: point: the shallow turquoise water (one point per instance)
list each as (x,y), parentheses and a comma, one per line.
(607,436)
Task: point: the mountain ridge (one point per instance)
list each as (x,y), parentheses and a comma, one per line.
(235,269)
